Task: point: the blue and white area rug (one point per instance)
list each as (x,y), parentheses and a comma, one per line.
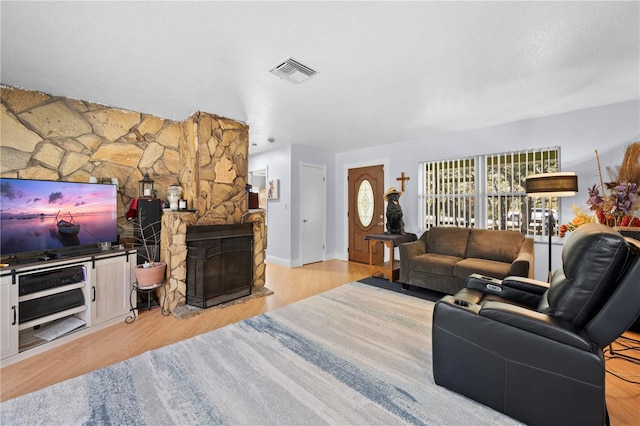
(357,355)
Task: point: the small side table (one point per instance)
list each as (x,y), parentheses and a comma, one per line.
(146,293)
(390,269)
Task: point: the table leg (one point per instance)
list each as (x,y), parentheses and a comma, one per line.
(389,244)
(371,269)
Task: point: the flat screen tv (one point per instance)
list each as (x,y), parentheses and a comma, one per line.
(47,216)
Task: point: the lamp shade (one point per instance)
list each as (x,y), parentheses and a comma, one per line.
(561,184)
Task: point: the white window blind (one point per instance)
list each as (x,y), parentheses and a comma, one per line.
(449,192)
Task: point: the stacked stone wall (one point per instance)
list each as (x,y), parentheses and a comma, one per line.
(56,138)
(221,152)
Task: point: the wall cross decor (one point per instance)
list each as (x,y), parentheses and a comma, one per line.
(403,178)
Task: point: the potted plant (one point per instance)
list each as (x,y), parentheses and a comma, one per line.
(151,272)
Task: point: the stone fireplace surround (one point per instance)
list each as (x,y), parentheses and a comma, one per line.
(56,138)
(174,253)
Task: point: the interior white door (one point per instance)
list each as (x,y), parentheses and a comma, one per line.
(312,213)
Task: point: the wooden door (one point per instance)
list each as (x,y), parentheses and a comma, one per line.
(366,212)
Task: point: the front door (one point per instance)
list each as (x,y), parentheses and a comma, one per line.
(366,212)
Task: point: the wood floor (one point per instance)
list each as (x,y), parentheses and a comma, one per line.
(151,330)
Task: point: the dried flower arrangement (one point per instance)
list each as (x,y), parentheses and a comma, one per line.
(614,203)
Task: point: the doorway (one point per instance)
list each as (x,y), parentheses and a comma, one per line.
(258,181)
(365,211)
(313,213)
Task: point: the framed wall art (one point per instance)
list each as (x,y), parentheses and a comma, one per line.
(273,190)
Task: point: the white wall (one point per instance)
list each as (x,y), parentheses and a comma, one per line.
(283,215)
(609,129)
(278,163)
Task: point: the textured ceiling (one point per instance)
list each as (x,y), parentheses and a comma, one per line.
(387,71)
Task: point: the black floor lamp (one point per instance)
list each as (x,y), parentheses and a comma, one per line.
(560,184)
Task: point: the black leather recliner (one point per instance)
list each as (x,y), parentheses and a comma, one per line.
(533,350)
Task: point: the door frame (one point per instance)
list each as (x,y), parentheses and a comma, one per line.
(259,173)
(345,202)
(302,165)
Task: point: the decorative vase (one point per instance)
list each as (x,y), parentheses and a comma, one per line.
(152,275)
(173,195)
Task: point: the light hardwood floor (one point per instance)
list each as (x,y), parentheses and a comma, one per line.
(151,330)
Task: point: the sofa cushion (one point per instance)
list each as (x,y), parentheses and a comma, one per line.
(448,240)
(501,246)
(472,265)
(434,263)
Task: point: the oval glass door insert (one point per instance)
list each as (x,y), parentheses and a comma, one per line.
(365,203)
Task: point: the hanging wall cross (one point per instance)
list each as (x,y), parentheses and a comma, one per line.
(402,178)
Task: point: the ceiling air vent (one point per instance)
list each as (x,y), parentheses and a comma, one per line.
(292,70)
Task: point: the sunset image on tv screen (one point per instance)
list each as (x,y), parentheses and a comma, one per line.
(44,215)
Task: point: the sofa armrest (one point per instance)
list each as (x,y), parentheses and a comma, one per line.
(522,265)
(407,251)
(412,249)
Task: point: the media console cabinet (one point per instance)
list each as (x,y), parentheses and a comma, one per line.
(73,296)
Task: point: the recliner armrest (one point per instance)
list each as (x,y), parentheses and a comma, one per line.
(536,323)
(524,291)
(526,284)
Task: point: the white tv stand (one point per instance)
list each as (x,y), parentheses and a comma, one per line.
(94,290)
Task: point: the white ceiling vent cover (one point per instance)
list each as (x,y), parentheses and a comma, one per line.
(292,70)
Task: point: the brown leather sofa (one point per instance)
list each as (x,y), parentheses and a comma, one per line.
(443,257)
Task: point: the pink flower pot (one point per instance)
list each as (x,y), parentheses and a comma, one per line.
(152,275)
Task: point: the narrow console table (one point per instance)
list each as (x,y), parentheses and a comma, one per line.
(389,269)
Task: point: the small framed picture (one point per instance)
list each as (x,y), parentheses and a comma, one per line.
(273,190)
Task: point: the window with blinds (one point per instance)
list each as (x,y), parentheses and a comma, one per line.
(487,191)
(449,192)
